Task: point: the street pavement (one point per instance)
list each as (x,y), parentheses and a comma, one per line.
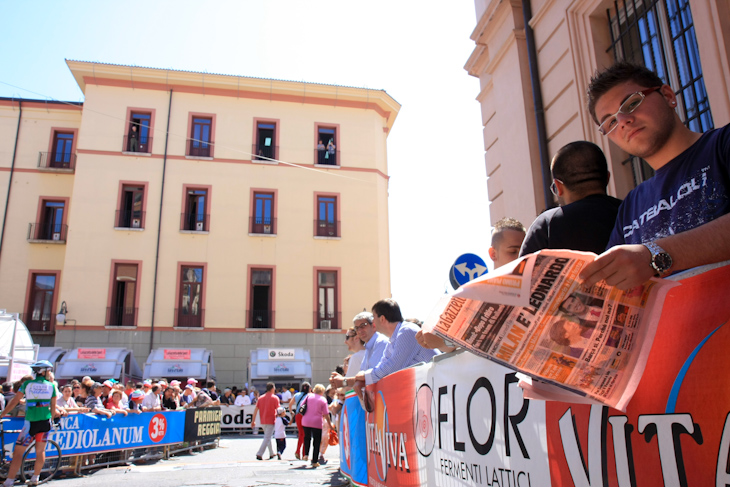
(233,464)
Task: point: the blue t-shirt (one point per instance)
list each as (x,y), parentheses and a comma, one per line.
(690,190)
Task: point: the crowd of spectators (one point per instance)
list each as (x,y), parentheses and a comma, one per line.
(111,397)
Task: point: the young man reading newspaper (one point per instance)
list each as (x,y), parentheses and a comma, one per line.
(679,218)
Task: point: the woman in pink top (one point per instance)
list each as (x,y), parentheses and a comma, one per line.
(312,422)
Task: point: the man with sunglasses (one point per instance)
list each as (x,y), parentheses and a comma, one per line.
(679,218)
(375,344)
(586,215)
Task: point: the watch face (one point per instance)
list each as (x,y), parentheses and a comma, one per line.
(663,261)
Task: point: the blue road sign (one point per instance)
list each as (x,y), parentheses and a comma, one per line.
(466,268)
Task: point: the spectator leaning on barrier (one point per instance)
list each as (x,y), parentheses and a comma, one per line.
(266,407)
(227,398)
(375,344)
(242,398)
(93,401)
(135,401)
(40,396)
(677,219)
(508,235)
(188,396)
(402,351)
(151,401)
(586,215)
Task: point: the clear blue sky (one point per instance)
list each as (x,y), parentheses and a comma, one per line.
(414,50)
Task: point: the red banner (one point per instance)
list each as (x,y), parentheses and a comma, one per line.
(391,449)
(676,430)
(177,354)
(92,353)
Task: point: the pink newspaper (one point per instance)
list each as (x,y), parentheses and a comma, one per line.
(570,344)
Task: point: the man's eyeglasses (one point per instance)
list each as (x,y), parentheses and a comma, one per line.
(77,387)
(362,325)
(554,188)
(629,105)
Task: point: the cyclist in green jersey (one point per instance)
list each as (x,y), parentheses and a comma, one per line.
(40,399)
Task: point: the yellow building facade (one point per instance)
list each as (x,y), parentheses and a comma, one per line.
(180,209)
(534,60)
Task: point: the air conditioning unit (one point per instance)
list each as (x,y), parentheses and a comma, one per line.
(199,226)
(325,325)
(136,223)
(267,228)
(56,236)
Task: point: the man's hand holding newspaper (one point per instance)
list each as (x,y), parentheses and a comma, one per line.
(570,344)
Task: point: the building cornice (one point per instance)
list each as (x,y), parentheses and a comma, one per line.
(92,73)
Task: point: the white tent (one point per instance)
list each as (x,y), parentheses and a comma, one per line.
(16,347)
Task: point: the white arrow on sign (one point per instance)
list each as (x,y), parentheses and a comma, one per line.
(477,271)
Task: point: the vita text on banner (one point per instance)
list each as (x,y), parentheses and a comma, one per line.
(676,429)
(393,458)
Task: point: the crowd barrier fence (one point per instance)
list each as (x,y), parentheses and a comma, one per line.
(461,420)
(89,441)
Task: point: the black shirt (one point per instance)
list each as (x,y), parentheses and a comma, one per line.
(584,225)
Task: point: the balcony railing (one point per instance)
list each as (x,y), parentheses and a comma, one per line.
(259,318)
(123,316)
(39,324)
(199,148)
(327,321)
(44,231)
(325,228)
(326,158)
(56,160)
(264,152)
(184,318)
(262,226)
(136,144)
(129,219)
(194,222)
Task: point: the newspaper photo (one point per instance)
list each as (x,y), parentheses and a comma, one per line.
(573,344)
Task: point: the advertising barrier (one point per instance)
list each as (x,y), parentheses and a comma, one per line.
(462,420)
(80,434)
(237,417)
(353,447)
(202,424)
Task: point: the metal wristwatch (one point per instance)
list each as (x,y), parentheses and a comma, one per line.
(344,382)
(661,261)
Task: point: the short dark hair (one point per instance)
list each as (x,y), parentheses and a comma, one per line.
(340,370)
(389,309)
(269,386)
(620,72)
(305,387)
(505,224)
(580,164)
(211,383)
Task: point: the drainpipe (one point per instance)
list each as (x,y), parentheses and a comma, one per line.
(10,179)
(547,178)
(159,225)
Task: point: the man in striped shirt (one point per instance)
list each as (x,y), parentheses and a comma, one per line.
(402,350)
(375,344)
